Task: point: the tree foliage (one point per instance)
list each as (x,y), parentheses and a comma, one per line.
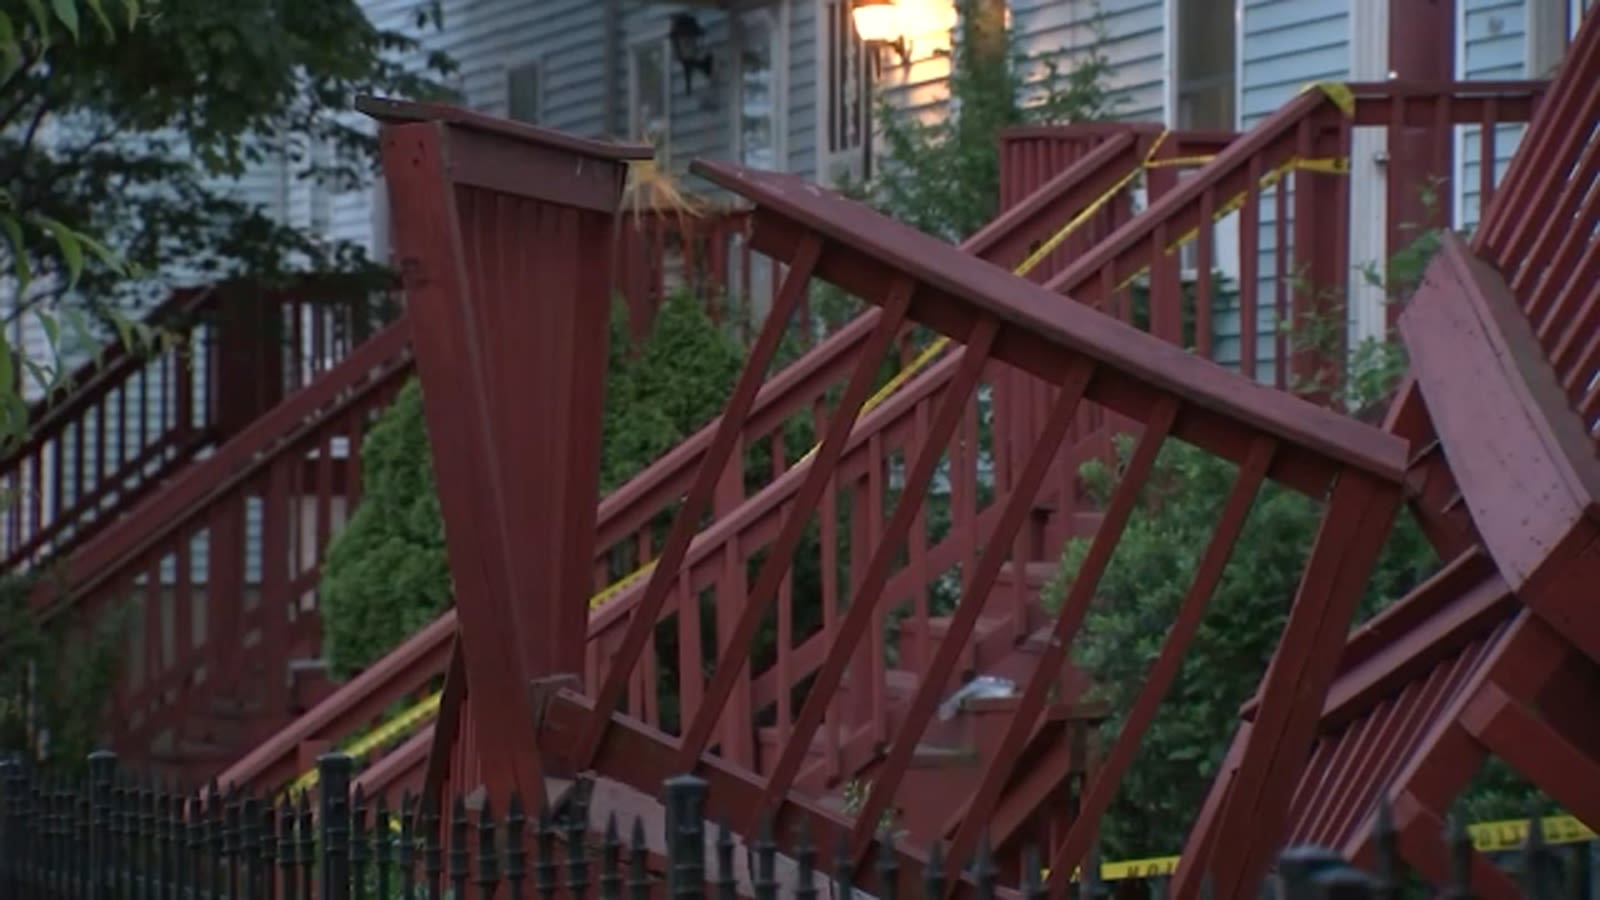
(126,119)
(942,174)
(1138,599)
(54,677)
(386,574)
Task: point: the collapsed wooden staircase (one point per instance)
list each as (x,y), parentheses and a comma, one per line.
(975,757)
(410,669)
(908,275)
(836,756)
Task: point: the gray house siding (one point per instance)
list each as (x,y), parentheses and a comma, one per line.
(1135,45)
(801,94)
(1284,45)
(1493,45)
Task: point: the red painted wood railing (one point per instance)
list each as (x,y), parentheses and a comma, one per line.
(131,419)
(195,469)
(628,519)
(728,546)
(213,579)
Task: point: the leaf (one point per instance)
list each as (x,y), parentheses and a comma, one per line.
(71,248)
(19,252)
(40,18)
(124,327)
(67,12)
(44,378)
(105,254)
(133,12)
(10,50)
(16,425)
(52,330)
(98,8)
(8,372)
(79,327)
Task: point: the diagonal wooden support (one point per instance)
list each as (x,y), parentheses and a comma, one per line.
(1249,821)
(1532,745)
(504,235)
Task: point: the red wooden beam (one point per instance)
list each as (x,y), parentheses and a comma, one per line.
(1248,824)
(504,234)
(1525,463)
(1222,412)
(1533,746)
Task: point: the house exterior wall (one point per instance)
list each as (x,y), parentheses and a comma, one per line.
(1493,45)
(1283,46)
(1135,45)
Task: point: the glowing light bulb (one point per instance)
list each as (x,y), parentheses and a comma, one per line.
(877,20)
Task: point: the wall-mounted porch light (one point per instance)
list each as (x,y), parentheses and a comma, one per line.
(689,49)
(879,23)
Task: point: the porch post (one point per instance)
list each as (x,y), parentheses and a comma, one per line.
(503,234)
(1422,48)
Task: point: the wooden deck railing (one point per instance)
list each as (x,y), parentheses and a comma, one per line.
(730,543)
(630,519)
(133,417)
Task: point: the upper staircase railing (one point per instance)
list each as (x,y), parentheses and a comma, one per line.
(1282,198)
(216,574)
(130,418)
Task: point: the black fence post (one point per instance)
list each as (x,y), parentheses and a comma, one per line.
(102,777)
(1299,866)
(686,842)
(333,774)
(1343,883)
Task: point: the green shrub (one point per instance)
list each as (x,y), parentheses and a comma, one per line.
(1139,597)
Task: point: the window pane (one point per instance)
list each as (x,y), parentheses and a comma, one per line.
(522,93)
(650,92)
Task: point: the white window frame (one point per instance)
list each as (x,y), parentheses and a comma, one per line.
(658,38)
(776,23)
(537,65)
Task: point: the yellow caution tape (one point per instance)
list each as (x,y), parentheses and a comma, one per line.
(1338,92)
(1511,834)
(1095,206)
(375,738)
(1487,837)
(1337,165)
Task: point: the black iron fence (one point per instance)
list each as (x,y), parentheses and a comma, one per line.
(109,836)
